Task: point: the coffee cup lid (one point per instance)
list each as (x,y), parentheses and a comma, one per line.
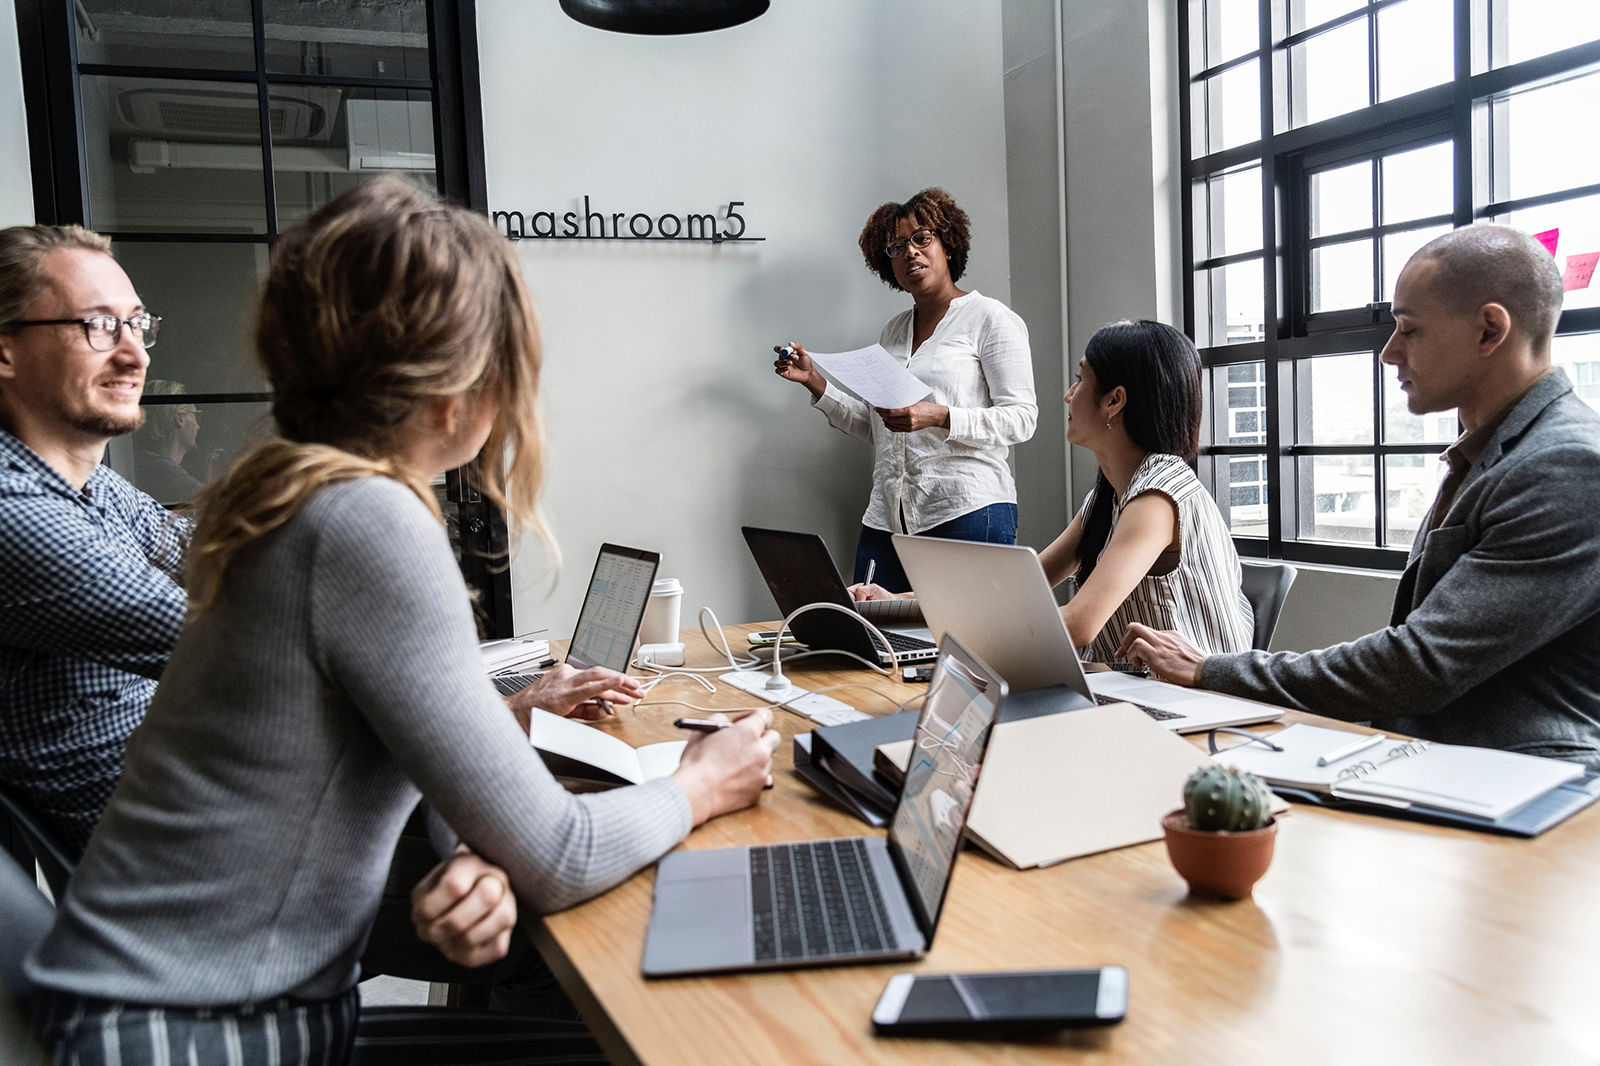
(665,585)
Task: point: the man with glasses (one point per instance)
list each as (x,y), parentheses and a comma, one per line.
(90,600)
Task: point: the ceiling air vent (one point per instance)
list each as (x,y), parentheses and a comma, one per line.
(209,114)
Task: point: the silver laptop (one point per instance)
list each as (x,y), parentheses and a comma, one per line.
(859,899)
(995,599)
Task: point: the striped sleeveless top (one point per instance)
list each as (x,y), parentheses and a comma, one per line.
(1194,590)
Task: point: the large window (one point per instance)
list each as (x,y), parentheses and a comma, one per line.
(191,134)
(1325,142)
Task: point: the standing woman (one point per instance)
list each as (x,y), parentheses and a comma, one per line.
(939,466)
(1149,544)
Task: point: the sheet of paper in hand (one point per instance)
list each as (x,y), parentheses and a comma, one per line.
(875,376)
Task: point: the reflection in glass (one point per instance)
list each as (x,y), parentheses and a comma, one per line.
(1335,497)
(1526,29)
(1330,73)
(350,38)
(1233,28)
(1235,212)
(200,34)
(1416,46)
(210,441)
(1419,183)
(1579,223)
(1241,390)
(1536,142)
(369,132)
(1333,399)
(1228,304)
(180,156)
(1242,494)
(1341,275)
(1341,199)
(1228,108)
(1410,484)
(1398,248)
(1400,426)
(1316,12)
(1579,356)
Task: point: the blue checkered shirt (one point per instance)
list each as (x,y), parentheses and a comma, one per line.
(89,611)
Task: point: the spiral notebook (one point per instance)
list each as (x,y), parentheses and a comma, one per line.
(1481,783)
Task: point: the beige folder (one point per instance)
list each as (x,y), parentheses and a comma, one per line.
(1064,785)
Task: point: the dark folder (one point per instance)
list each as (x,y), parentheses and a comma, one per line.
(845,753)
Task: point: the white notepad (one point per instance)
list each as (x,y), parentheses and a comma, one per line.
(1477,781)
(572,749)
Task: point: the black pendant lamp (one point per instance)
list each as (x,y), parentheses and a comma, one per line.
(662,17)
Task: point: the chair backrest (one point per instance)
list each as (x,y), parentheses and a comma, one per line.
(25,917)
(54,857)
(1266,586)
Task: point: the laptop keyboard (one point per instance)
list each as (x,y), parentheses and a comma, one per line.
(511,684)
(817,899)
(1154,712)
(901,642)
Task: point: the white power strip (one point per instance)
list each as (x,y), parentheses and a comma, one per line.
(823,710)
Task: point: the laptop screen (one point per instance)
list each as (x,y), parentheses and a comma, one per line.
(613,608)
(942,774)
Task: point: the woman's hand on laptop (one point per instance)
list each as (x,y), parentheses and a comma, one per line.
(573,693)
(877,592)
(726,770)
(1167,653)
(466,909)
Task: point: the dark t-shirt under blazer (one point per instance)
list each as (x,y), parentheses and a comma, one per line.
(1495,636)
(245,849)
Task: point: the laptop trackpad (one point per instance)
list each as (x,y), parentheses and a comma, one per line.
(700,924)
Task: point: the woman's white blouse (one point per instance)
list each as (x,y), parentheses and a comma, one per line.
(979,366)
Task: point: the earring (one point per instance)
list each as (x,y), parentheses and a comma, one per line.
(1108,423)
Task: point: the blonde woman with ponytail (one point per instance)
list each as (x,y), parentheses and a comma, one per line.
(329,672)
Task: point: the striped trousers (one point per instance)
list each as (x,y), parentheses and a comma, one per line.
(281,1032)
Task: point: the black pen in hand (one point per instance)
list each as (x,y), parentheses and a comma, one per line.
(701,725)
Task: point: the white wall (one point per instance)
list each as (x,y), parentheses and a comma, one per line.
(668,429)
(16,179)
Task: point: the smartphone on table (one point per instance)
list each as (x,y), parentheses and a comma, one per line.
(980,1004)
(769,636)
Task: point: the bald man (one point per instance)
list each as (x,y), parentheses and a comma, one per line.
(1495,636)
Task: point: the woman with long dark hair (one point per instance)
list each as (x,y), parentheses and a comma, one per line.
(1149,544)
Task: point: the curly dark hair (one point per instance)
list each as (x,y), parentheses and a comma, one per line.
(935,209)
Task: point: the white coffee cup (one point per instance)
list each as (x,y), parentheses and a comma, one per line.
(661,613)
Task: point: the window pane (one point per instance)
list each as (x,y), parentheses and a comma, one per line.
(1341,275)
(351,38)
(1400,247)
(1524,29)
(1579,224)
(1316,12)
(1341,199)
(1227,108)
(1330,73)
(1419,183)
(1333,399)
(1416,46)
(1410,484)
(1241,493)
(181,448)
(1241,399)
(1335,498)
(1579,356)
(205,34)
(179,155)
(1400,426)
(205,295)
(369,132)
(1542,150)
(1233,28)
(1235,213)
(1228,304)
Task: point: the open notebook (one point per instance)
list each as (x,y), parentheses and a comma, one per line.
(577,751)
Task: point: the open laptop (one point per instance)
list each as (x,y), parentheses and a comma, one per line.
(613,608)
(859,899)
(995,598)
(799,570)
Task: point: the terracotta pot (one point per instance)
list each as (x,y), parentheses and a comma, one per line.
(1218,863)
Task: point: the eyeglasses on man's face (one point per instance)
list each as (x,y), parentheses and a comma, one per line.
(918,240)
(104,331)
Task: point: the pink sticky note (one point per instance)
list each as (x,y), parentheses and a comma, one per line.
(1548,238)
(1580,268)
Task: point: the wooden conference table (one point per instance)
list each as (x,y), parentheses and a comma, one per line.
(1370,940)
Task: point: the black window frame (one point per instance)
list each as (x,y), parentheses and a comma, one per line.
(50,75)
(1455,109)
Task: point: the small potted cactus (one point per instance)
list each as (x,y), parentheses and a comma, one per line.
(1221,839)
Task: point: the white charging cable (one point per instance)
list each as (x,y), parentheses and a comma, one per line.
(778,681)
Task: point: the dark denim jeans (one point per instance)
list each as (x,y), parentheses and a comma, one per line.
(994,524)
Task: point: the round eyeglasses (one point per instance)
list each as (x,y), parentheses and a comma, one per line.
(104,331)
(919,240)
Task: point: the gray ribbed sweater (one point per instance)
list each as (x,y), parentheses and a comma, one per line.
(245,849)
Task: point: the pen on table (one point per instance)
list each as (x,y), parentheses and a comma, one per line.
(701,725)
(872,568)
(1350,749)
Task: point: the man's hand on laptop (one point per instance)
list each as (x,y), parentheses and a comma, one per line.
(725,771)
(466,909)
(1167,653)
(573,693)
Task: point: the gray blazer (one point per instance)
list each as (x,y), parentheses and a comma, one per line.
(1495,636)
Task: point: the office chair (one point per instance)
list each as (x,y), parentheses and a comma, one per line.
(1266,586)
(55,859)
